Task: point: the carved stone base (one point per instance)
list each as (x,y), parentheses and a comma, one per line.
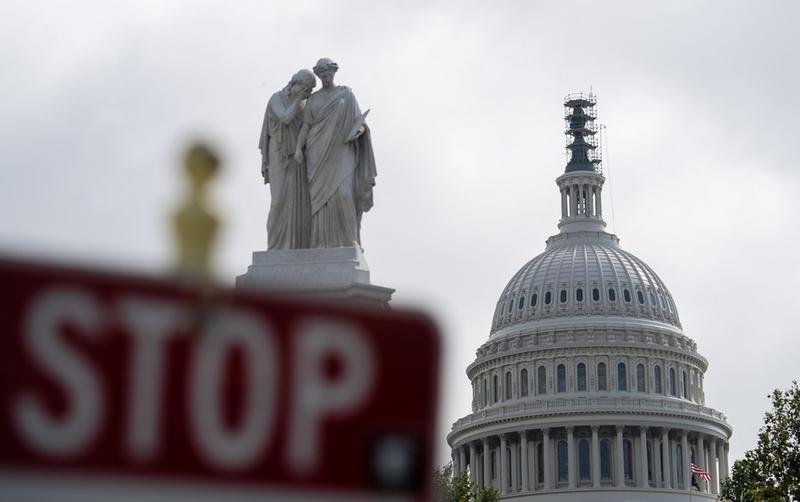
(328,274)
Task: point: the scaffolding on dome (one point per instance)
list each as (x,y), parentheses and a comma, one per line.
(584,152)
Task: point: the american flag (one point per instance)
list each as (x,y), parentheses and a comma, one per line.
(700,473)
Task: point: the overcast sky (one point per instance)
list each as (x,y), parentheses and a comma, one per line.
(700,100)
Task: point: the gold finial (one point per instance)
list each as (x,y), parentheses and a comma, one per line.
(194,223)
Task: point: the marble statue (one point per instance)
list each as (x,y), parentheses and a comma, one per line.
(289,220)
(335,145)
(317,158)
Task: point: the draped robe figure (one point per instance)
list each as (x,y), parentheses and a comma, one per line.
(341,173)
(288,223)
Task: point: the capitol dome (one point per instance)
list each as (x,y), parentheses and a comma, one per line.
(583,274)
(587,388)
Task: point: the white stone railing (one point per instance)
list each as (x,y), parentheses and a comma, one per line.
(588,404)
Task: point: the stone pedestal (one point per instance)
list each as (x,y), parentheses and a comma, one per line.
(328,274)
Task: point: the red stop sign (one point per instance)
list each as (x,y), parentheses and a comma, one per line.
(117,385)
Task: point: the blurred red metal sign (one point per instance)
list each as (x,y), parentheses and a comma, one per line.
(121,386)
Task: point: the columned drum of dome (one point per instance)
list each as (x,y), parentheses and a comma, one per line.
(587,388)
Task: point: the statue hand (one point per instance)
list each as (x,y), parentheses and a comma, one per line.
(265,173)
(298,156)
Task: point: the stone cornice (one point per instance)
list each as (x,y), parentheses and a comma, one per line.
(590,408)
(585,319)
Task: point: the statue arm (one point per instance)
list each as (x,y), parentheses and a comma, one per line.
(301,142)
(284,114)
(303,135)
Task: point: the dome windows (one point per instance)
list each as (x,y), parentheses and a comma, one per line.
(541,381)
(602,377)
(563,462)
(627,459)
(673,388)
(595,294)
(612,294)
(579,295)
(605,459)
(521,302)
(583,460)
(685,386)
(640,380)
(540,462)
(581,377)
(657,378)
(548,298)
(568,377)
(534,299)
(626,295)
(622,378)
(562,296)
(640,296)
(523,382)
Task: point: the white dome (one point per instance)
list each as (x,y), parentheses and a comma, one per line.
(584,274)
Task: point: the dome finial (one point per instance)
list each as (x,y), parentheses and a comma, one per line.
(582,145)
(582,182)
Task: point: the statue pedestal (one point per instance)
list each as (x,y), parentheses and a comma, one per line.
(327,274)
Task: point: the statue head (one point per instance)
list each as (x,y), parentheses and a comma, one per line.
(301,83)
(325,69)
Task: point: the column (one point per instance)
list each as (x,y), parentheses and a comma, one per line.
(712,460)
(462,460)
(700,461)
(589,200)
(487,468)
(548,460)
(643,457)
(571,456)
(599,205)
(478,468)
(563,203)
(586,196)
(523,446)
(665,445)
(454,457)
(723,460)
(574,191)
(514,467)
(503,484)
(595,457)
(687,481)
(473,471)
(620,459)
(656,467)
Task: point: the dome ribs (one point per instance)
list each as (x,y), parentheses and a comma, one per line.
(588,263)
